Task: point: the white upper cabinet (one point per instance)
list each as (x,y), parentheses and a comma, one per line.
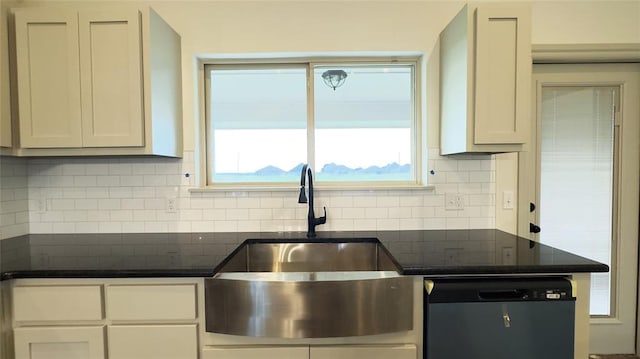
(111,68)
(485,76)
(87,82)
(48,78)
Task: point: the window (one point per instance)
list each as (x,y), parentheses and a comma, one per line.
(264,121)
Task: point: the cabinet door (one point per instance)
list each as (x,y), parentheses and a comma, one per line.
(256,352)
(59,343)
(153,341)
(503,72)
(369,352)
(48,78)
(111,61)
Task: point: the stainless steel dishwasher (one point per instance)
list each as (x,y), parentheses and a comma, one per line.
(499,318)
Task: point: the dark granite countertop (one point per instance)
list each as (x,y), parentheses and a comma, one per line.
(428,253)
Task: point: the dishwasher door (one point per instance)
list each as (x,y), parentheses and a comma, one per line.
(499,319)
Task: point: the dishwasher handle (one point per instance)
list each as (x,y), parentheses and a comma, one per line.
(502,295)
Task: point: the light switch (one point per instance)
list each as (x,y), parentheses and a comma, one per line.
(507,200)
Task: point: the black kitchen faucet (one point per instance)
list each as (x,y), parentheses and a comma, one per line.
(312,221)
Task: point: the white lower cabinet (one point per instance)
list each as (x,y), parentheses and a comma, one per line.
(364,351)
(314,352)
(59,343)
(153,341)
(301,352)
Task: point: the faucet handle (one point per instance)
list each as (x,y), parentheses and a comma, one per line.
(323,219)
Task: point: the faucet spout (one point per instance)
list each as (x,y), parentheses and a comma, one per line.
(312,221)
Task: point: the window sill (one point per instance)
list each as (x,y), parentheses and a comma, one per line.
(319,188)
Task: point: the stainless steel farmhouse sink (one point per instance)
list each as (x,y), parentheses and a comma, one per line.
(308,289)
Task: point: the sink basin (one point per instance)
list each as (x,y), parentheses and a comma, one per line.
(309,289)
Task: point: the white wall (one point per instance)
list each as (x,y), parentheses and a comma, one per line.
(128,194)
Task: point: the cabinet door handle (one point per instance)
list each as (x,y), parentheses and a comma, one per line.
(506,319)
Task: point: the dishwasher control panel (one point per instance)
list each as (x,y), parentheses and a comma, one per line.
(499,289)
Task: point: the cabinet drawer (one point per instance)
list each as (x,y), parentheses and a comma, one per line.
(151,302)
(407,351)
(153,342)
(47,303)
(256,352)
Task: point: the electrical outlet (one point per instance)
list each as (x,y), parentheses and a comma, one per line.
(453,201)
(171,205)
(42,205)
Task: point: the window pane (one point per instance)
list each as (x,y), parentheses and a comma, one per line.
(257,124)
(364,127)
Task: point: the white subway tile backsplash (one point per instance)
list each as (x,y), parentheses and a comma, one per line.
(101,215)
(225,203)
(132,227)
(480,176)
(63,227)
(109,203)
(87,203)
(62,204)
(155,203)
(457,223)
(188,215)
(122,194)
(457,177)
(238,214)
(387,201)
(225,226)
(144,169)
(364,224)
(423,212)
(260,213)
(131,181)
(121,215)
(144,215)
(95,169)
(411,223)
(108,181)
(341,202)
(214,214)
(469,165)
(445,165)
(75,216)
(248,202)
(353,213)
(400,212)
(362,201)
(132,203)
(154,180)
(376,213)
(271,202)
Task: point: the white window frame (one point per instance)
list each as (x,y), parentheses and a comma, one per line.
(418,139)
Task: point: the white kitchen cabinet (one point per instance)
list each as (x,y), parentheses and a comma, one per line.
(48,78)
(103,318)
(408,351)
(59,343)
(57,303)
(273,352)
(364,351)
(178,341)
(151,302)
(97,82)
(485,76)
